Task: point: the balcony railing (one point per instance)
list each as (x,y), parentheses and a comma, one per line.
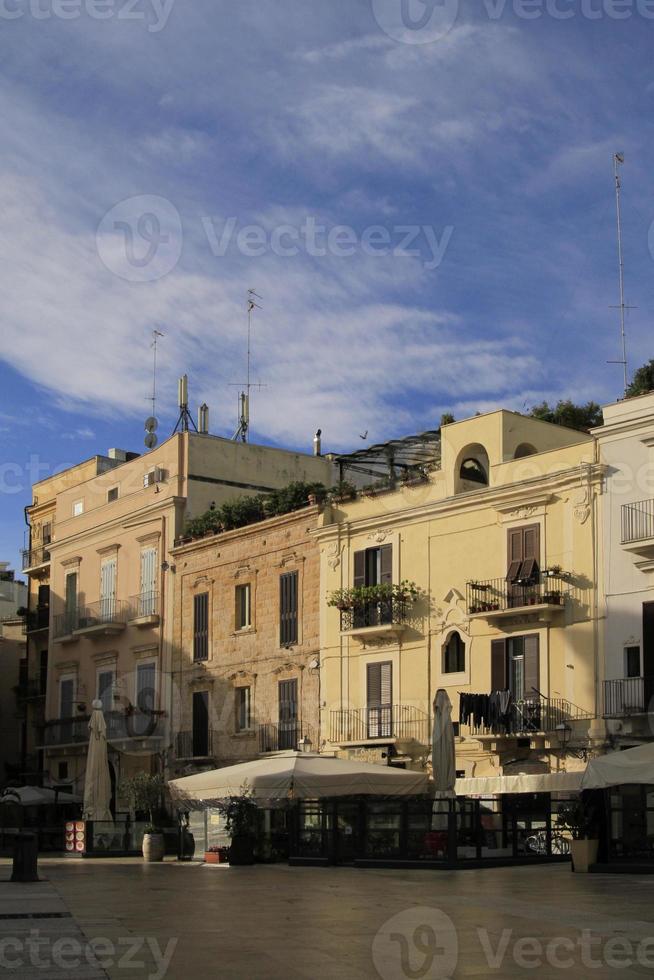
(65,624)
(195,745)
(66,731)
(144,606)
(30,690)
(379,722)
(136,724)
(39,619)
(278,738)
(497,595)
(107,615)
(530,715)
(628,696)
(637,521)
(33,557)
(384,612)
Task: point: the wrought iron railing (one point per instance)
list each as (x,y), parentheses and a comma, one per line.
(278,738)
(383,612)
(379,722)
(529,715)
(38,619)
(32,557)
(30,690)
(195,745)
(66,731)
(637,521)
(498,595)
(628,696)
(64,624)
(106,612)
(143,605)
(134,723)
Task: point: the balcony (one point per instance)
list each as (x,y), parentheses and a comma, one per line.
(196,745)
(37,620)
(66,731)
(130,726)
(280,738)
(497,598)
(638,528)
(537,715)
(64,626)
(376,618)
(30,690)
(628,696)
(36,559)
(379,723)
(104,618)
(144,609)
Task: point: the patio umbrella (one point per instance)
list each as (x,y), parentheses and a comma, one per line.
(97,784)
(442,758)
(299,775)
(36,796)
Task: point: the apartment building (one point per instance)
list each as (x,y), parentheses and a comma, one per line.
(112,586)
(247,645)
(13,725)
(470,567)
(626,546)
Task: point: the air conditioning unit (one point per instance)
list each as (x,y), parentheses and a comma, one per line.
(154,476)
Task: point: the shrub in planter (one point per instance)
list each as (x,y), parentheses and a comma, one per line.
(145,792)
(240,813)
(580,819)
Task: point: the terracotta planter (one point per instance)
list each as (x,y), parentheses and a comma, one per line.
(584,853)
(153,848)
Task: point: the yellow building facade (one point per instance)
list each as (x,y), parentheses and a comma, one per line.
(493,521)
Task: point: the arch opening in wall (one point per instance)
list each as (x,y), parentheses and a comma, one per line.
(473,469)
(525,449)
(454,654)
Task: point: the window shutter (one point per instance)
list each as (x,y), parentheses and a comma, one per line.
(201,626)
(200,723)
(532,667)
(498,665)
(380,683)
(359,569)
(288,589)
(386,564)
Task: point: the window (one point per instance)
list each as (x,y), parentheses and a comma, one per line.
(473,471)
(46,535)
(146,694)
(243,718)
(379,683)
(374,566)
(62,770)
(112,494)
(66,697)
(289,733)
(200,724)
(454,655)
(515,667)
(632,661)
(106,680)
(43,672)
(523,546)
(107,589)
(78,508)
(243,607)
(201,626)
(288,603)
(147,605)
(70,610)
(524,449)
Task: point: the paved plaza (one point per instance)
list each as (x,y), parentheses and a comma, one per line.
(123,919)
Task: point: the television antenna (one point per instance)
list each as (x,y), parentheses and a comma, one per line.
(244,396)
(151,424)
(618,160)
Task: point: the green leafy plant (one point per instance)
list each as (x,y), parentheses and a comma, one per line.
(364,595)
(580,819)
(344,490)
(145,792)
(240,815)
(246,510)
(582,417)
(642,381)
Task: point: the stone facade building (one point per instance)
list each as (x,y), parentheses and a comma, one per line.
(246,672)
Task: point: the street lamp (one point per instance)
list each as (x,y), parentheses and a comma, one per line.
(564,731)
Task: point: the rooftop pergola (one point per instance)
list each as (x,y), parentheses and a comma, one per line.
(412,455)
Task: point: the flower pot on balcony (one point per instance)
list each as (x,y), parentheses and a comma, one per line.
(584,853)
(153,848)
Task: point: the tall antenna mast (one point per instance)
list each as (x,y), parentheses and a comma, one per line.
(155,338)
(618,160)
(244,397)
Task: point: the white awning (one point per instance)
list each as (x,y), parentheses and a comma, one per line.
(617,768)
(546,782)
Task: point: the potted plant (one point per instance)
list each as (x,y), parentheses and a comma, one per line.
(216,855)
(580,820)
(239,813)
(341,599)
(144,792)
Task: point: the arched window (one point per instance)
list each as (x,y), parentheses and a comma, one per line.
(454,655)
(473,471)
(524,449)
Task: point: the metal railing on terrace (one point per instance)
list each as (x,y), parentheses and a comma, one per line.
(499,595)
(637,521)
(39,555)
(379,722)
(628,696)
(195,745)
(382,612)
(144,605)
(529,715)
(278,738)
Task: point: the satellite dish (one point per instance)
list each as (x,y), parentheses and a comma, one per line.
(150,440)
(151,424)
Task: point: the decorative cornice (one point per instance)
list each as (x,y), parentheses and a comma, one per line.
(72,562)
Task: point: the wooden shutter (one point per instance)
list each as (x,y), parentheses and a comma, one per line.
(66,697)
(148,571)
(105,689)
(359,569)
(201,626)
(498,665)
(288,608)
(532,667)
(380,684)
(200,723)
(71,593)
(386,564)
(145,686)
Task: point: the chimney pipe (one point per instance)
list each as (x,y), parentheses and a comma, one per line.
(317,443)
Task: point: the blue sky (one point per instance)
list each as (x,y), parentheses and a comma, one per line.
(138,147)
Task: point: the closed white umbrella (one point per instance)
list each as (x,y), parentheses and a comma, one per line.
(442,758)
(36,796)
(298,775)
(97,784)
